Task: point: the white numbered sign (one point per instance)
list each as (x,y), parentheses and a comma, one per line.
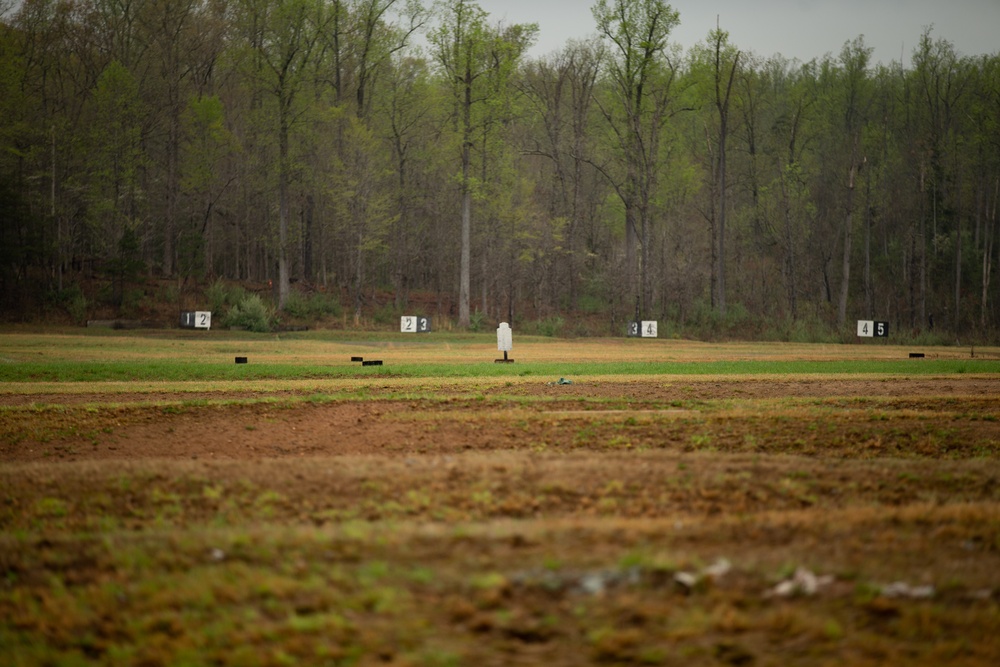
(644,329)
(198,319)
(414,324)
(873,329)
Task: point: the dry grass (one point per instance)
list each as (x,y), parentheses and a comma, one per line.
(499,521)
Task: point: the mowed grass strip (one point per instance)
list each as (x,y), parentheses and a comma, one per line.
(170,357)
(201,371)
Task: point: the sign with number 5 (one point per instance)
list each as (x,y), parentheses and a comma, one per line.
(873,329)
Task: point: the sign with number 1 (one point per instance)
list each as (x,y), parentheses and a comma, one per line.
(198,319)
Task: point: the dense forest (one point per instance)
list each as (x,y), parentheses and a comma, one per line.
(376,150)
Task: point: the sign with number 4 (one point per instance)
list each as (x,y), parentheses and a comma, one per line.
(644,329)
(873,329)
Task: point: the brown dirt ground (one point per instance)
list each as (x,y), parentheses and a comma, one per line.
(548,489)
(145,426)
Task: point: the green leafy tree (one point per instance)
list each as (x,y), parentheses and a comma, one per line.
(117,159)
(855,102)
(206,147)
(720,62)
(284,39)
(638,103)
(939,85)
(379,39)
(406,112)
(985,116)
(560,89)
(365,199)
(171,33)
(795,211)
(478,63)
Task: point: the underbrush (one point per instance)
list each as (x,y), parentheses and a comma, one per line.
(160,301)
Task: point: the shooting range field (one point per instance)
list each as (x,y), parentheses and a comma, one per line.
(667,503)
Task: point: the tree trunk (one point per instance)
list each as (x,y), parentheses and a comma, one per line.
(869,287)
(720,283)
(922,291)
(400,235)
(283,168)
(989,233)
(359,275)
(307,238)
(722,106)
(957,321)
(464,277)
(956,324)
(848,238)
(170,222)
(644,264)
(631,250)
(792,287)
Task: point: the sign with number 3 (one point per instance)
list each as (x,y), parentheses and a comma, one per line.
(414,324)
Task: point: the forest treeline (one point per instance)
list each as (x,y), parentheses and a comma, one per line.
(365,147)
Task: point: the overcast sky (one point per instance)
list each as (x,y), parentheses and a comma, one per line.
(803,29)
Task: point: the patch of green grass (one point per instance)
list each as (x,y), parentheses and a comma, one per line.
(51,507)
(150,370)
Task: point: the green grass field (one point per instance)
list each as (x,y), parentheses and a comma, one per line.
(211,357)
(678,503)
